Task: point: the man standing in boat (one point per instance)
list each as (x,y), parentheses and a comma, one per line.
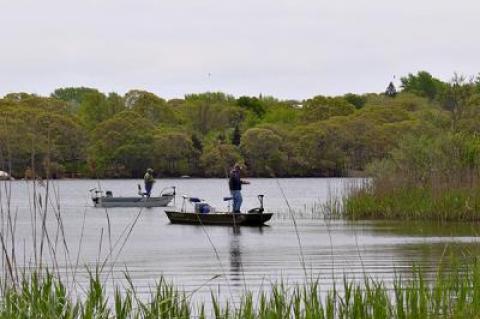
(149,180)
(235,185)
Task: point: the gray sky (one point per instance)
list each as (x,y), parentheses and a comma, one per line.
(288,49)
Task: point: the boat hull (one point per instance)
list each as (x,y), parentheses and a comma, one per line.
(108,201)
(252,219)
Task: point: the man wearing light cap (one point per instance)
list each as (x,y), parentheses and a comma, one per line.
(149,180)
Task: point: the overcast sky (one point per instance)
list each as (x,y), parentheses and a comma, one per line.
(288,49)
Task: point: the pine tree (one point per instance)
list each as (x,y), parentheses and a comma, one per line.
(197,144)
(391,90)
(236,136)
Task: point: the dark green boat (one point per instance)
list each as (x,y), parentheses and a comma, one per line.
(218,218)
(206,215)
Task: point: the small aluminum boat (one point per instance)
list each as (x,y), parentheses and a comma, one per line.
(142,200)
(4,176)
(206,215)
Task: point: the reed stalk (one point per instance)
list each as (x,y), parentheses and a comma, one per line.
(453,294)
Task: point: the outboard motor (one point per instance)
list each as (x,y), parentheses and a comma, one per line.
(95,195)
(169,191)
(260,209)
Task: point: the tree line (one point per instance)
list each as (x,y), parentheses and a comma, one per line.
(82,132)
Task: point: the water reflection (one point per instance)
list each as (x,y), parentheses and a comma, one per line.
(235,255)
(424,228)
(240,240)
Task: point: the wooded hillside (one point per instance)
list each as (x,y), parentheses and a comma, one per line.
(87,133)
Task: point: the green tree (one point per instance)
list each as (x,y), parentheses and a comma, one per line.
(122,146)
(321,150)
(74,96)
(422,84)
(35,131)
(355,99)
(253,104)
(205,117)
(210,98)
(458,98)
(283,114)
(174,154)
(236,136)
(321,108)
(197,143)
(262,151)
(115,104)
(219,158)
(93,109)
(151,107)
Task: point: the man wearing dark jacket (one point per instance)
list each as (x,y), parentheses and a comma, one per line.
(235,185)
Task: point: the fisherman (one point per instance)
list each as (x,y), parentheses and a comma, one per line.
(235,185)
(149,180)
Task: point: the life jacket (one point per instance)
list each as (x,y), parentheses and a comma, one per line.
(148,178)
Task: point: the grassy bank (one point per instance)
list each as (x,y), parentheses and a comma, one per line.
(413,203)
(433,178)
(452,295)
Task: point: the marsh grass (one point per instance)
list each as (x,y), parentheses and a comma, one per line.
(412,203)
(433,178)
(451,295)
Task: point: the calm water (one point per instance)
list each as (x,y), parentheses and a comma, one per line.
(215,257)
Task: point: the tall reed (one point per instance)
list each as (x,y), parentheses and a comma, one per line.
(425,178)
(453,294)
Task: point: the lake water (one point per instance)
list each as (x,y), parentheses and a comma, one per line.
(143,243)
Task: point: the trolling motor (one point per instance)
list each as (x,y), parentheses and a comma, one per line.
(173,191)
(166,191)
(258,210)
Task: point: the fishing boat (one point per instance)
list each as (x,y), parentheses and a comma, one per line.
(142,200)
(4,176)
(204,214)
